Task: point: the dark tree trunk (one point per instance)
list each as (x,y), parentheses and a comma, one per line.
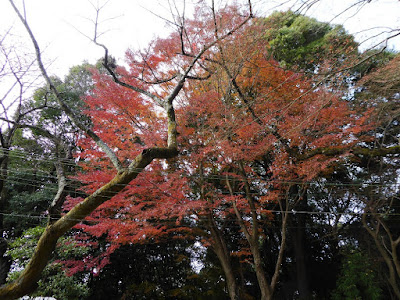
(5,262)
(299,244)
(220,248)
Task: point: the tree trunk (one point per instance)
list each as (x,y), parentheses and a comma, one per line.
(5,261)
(220,248)
(266,293)
(299,243)
(26,282)
(229,274)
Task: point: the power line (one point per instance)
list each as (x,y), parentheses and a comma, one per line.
(34,171)
(292,212)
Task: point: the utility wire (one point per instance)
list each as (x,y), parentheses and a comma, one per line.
(293,212)
(34,171)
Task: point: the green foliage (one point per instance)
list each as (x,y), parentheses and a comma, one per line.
(301,42)
(57,284)
(21,249)
(32,179)
(76,84)
(156,271)
(357,279)
(54,281)
(162,270)
(31,183)
(79,80)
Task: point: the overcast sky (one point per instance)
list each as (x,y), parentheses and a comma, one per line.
(56,24)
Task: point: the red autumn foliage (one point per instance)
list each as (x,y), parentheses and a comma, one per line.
(249,109)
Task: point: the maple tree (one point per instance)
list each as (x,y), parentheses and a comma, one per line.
(258,112)
(245,111)
(253,138)
(233,137)
(125,171)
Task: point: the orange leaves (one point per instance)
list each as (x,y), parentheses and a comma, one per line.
(309,169)
(272,196)
(149,208)
(244,133)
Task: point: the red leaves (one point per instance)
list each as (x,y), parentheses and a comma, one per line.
(250,110)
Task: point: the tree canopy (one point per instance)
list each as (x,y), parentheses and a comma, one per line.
(239,157)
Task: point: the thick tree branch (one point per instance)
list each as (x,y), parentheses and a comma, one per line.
(26,283)
(124,84)
(58,201)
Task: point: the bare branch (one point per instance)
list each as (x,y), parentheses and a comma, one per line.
(107,150)
(158,81)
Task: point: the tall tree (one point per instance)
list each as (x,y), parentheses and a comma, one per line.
(250,110)
(304,43)
(124,172)
(255,140)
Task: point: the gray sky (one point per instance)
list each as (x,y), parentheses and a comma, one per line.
(56,24)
